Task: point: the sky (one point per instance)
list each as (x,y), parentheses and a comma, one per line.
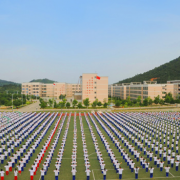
(61,39)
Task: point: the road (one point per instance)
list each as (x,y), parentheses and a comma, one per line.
(32,107)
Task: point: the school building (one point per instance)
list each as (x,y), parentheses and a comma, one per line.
(146,89)
(89,86)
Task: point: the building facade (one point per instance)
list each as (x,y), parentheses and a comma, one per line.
(144,90)
(88,87)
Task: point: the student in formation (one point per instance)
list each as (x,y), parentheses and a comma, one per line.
(136,170)
(88,173)
(2,174)
(167,170)
(7,169)
(31,173)
(73,173)
(15,174)
(56,172)
(151,171)
(120,171)
(104,171)
(42,173)
(177,164)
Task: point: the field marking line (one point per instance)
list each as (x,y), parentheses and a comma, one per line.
(95,152)
(171,174)
(93,175)
(40,177)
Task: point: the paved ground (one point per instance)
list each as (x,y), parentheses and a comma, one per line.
(32,107)
(35,107)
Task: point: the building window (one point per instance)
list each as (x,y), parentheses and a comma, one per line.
(95,97)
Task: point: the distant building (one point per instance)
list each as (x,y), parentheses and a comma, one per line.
(88,87)
(147,89)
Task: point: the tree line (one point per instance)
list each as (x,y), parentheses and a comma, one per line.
(168,99)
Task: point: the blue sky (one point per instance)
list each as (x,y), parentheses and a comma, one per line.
(60,40)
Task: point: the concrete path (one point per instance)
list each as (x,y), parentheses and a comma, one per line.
(32,107)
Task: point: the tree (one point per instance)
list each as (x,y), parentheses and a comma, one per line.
(79,105)
(145,102)
(17,102)
(105,104)
(68,104)
(50,102)
(86,102)
(55,104)
(150,101)
(117,103)
(99,103)
(75,102)
(61,104)
(139,100)
(161,101)
(156,99)
(43,104)
(62,96)
(94,104)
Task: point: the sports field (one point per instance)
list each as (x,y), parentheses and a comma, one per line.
(115,128)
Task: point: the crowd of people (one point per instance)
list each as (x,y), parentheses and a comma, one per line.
(146,141)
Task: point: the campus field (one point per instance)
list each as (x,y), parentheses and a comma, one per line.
(168,120)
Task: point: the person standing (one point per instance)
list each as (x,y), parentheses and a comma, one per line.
(42,173)
(104,171)
(120,171)
(56,172)
(15,174)
(167,170)
(2,174)
(31,173)
(151,172)
(177,164)
(88,173)
(136,172)
(73,173)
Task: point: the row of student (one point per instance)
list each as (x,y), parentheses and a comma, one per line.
(24,160)
(111,154)
(151,152)
(85,151)
(74,150)
(8,120)
(97,150)
(47,162)
(139,133)
(61,150)
(149,155)
(29,152)
(18,140)
(146,126)
(142,163)
(43,150)
(141,144)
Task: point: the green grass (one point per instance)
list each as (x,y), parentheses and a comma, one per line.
(65,169)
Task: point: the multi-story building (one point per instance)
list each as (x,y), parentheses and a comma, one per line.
(147,89)
(88,87)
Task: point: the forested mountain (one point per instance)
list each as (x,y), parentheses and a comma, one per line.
(10,88)
(43,81)
(3,82)
(165,72)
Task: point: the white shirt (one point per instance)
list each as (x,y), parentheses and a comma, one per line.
(120,170)
(88,172)
(167,169)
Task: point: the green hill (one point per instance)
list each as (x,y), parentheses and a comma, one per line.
(10,88)
(165,72)
(43,81)
(3,82)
